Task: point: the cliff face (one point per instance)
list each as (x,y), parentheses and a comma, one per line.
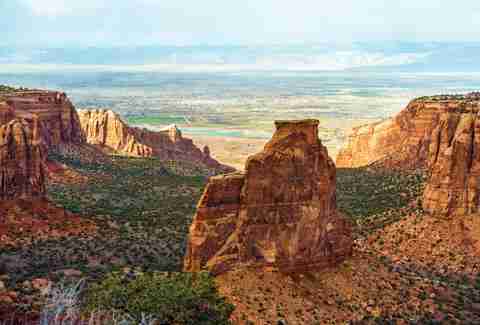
(440,134)
(409,140)
(107,130)
(454,184)
(6,113)
(22,160)
(55,112)
(30,123)
(281,212)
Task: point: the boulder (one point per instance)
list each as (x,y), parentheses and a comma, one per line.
(280,213)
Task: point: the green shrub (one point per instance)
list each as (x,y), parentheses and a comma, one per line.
(172,298)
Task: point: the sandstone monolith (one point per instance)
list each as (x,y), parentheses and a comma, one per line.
(280,213)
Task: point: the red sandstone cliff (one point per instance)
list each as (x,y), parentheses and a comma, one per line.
(440,134)
(281,212)
(61,124)
(412,138)
(55,112)
(6,113)
(107,130)
(453,187)
(22,160)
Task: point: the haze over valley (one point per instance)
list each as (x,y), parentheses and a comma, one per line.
(231,107)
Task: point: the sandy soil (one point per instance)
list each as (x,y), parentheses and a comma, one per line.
(235,151)
(231,151)
(400,275)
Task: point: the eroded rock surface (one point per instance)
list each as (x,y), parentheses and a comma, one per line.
(454,183)
(410,140)
(281,212)
(54,111)
(22,160)
(107,130)
(440,134)
(6,113)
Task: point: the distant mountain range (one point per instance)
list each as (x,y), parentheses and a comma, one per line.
(377,56)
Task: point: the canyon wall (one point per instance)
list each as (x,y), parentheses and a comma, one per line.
(409,140)
(61,124)
(453,187)
(35,122)
(107,130)
(22,160)
(440,134)
(280,213)
(54,111)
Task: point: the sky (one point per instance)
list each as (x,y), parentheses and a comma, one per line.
(65,23)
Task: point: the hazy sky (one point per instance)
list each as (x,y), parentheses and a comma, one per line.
(182,22)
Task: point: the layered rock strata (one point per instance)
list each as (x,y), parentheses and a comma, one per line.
(281,212)
(411,139)
(54,111)
(107,130)
(440,134)
(453,187)
(22,160)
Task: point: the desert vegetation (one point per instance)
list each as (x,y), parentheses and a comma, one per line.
(170,298)
(455,97)
(375,198)
(9,89)
(142,209)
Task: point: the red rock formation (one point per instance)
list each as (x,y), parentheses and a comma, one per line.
(62,125)
(454,184)
(441,134)
(107,130)
(53,109)
(410,139)
(6,113)
(281,212)
(22,160)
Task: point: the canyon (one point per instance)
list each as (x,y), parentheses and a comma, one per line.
(60,127)
(109,132)
(440,134)
(411,139)
(391,235)
(280,213)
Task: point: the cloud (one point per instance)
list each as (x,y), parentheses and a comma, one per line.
(62,7)
(179,22)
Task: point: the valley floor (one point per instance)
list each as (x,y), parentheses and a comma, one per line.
(407,267)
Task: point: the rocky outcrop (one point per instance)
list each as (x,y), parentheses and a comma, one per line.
(281,212)
(440,134)
(22,160)
(412,138)
(107,130)
(453,187)
(6,113)
(54,111)
(31,122)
